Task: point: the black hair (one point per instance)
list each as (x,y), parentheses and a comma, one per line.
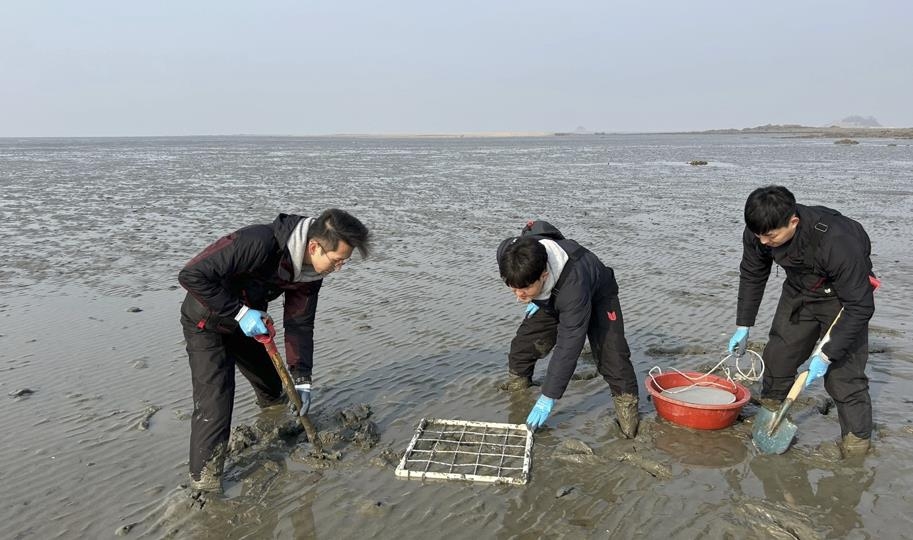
(521,261)
(335,225)
(769,208)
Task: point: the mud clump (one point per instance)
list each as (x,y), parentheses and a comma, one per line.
(242,437)
(143,424)
(578,452)
(265,431)
(122,531)
(302,453)
(353,427)
(353,416)
(387,459)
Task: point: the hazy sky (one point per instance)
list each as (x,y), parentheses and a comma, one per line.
(73,68)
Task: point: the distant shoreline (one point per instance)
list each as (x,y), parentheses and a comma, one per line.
(785,131)
(808,132)
(792,131)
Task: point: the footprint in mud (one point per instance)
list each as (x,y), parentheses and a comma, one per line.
(374,509)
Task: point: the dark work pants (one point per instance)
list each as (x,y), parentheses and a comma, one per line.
(213,358)
(796,328)
(537,336)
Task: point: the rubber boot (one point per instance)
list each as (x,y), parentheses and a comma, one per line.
(516,382)
(210,480)
(626,413)
(853,446)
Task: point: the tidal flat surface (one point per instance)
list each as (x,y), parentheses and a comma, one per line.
(94,232)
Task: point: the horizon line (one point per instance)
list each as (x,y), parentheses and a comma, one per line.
(470,134)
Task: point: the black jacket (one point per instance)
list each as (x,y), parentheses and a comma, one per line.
(250,266)
(829,257)
(583,283)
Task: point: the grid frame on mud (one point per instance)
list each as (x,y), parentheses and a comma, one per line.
(467,450)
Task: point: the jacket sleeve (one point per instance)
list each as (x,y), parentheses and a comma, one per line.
(753,273)
(205,276)
(848,268)
(298,322)
(574,306)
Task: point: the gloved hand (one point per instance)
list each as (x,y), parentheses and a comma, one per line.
(738,343)
(251,322)
(540,412)
(531,309)
(303,387)
(817,367)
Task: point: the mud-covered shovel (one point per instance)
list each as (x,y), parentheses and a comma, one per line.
(773,432)
(289,385)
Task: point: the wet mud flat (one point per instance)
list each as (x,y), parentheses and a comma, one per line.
(263,457)
(583,484)
(97,446)
(804,493)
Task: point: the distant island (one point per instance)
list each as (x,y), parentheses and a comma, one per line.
(809,132)
(848,128)
(851,126)
(796,131)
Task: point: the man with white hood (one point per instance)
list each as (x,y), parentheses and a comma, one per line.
(229,285)
(572,296)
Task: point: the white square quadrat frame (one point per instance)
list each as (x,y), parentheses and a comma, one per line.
(466,450)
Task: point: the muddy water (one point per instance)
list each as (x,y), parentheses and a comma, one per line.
(94,229)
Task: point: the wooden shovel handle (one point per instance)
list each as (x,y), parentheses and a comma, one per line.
(289,386)
(797,386)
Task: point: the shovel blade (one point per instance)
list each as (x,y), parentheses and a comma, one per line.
(776,442)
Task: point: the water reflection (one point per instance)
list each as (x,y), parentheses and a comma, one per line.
(833,494)
(711,449)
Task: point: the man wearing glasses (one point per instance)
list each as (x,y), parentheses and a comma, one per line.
(229,286)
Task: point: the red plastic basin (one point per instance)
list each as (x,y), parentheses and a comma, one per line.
(691,414)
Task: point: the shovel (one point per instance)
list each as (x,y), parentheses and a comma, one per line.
(773,432)
(289,385)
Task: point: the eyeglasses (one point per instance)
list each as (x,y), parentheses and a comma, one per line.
(337,263)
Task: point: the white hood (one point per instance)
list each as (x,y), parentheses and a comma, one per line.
(297,246)
(557,258)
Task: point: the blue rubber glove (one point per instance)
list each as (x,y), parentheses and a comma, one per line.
(251,322)
(304,392)
(540,412)
(531,309)
(738,343)
(817,367)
